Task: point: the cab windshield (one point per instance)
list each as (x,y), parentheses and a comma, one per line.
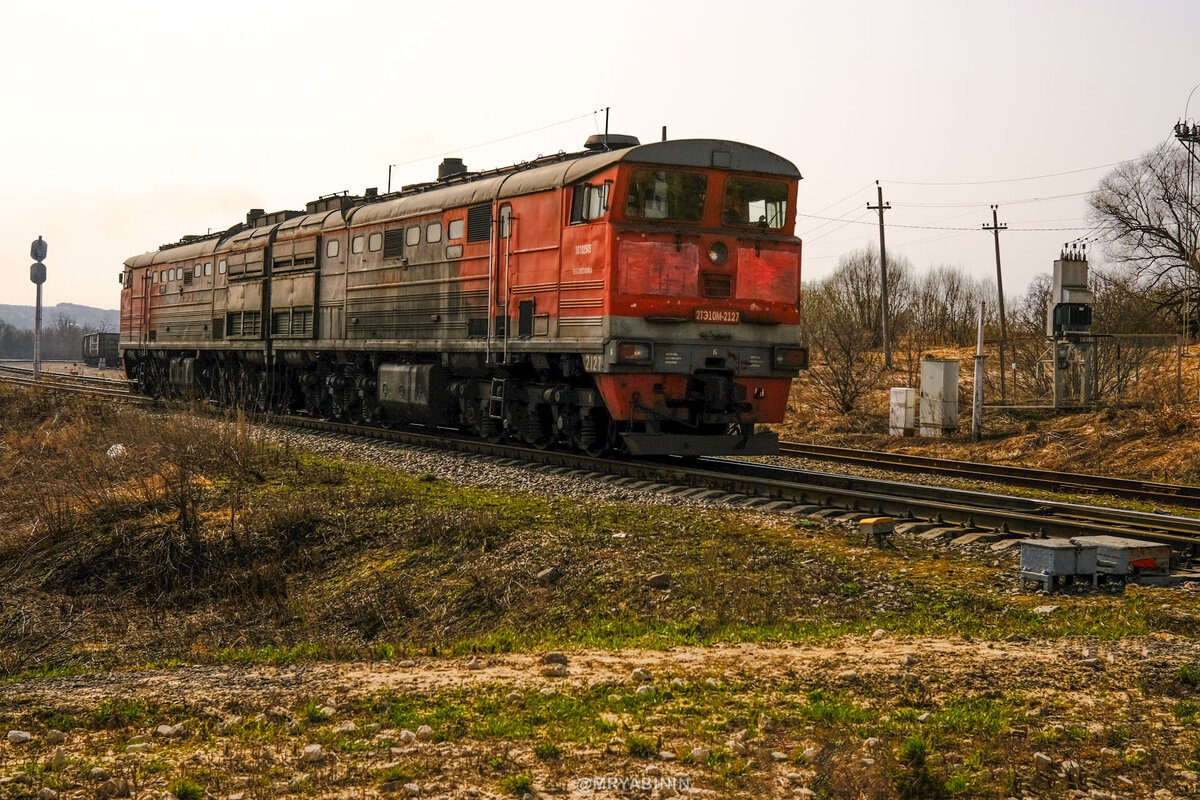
(663,194)
(754,202)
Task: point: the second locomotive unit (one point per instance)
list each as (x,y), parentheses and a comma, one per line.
(97,347)
(629,297)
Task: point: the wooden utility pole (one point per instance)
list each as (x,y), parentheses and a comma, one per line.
(977,402)
(883,316)
(995,228)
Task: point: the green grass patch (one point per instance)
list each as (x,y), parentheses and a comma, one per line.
(1189,674)
(314,712)
(517,785)
(547,751)
(640,746)
(399,772)
(117,713)
(185,789)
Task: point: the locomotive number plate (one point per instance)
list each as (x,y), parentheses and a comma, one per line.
(718,315)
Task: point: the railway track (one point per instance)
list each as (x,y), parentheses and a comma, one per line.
(1066,482)
(113,388)
(998,518)
(992,517)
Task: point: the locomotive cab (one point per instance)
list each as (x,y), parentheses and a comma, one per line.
(704,324)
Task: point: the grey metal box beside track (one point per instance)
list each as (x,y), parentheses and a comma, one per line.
(1117,555)
(1058,557)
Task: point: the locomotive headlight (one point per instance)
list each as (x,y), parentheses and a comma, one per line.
(634,353)
(790,358)
(718,253)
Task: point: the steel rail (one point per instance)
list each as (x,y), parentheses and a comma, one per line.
(1001,512)
(1076,483)
(800,491)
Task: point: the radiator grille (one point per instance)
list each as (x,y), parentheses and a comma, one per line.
(479,223)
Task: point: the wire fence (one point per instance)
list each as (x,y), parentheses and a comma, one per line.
(1097,369)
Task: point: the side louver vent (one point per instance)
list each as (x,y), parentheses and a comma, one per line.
(479,223)
(393,243)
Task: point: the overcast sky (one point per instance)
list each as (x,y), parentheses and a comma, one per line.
(131,124)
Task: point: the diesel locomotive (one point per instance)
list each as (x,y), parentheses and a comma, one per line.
(639,298)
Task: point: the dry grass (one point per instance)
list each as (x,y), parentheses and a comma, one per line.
(1149,435)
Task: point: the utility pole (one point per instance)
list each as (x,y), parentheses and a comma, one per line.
(1189,137)
(995,228)
(977,402)
(883,287)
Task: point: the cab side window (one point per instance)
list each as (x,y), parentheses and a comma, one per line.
(589,202)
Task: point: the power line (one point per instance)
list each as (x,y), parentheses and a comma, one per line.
(844,199)
(904,246)
(1015,180)
(1004,202)
(832,230)
(931,227)
(938,238)
(829,221)
(494,141)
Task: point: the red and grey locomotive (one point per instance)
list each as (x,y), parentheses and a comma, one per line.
(630,297)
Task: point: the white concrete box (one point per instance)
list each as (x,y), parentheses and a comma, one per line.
(939,396)
(902,414)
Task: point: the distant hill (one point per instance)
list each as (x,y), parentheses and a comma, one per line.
(21,317)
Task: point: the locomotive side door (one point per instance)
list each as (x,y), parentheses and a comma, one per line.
(529,267)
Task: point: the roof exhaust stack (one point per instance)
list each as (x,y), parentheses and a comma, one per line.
(254,214)
(451,167)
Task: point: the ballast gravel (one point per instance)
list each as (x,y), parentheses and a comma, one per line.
(473,470)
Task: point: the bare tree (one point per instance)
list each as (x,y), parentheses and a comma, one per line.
(1028,316)
(1145,214)
(849,365)
(857,284)
(946,303)
(1124,305)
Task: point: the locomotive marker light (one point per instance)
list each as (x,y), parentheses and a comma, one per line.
(37,274)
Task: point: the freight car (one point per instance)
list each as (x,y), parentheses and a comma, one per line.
(628,297)
(99,347)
